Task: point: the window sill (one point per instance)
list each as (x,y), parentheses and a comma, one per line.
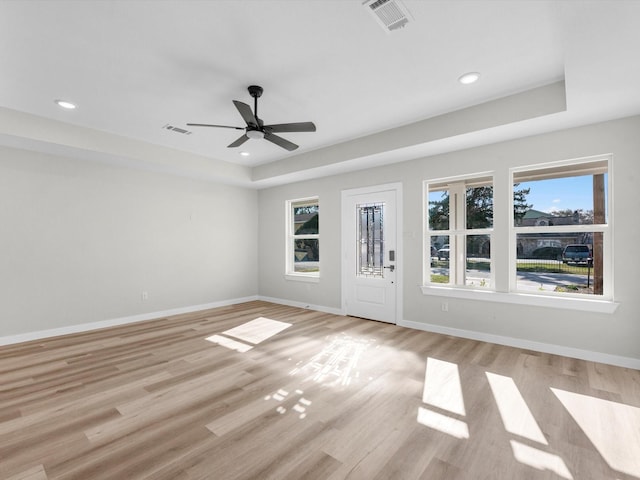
(301,277)
(571,303)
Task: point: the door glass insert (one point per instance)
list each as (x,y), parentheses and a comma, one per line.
(370,241)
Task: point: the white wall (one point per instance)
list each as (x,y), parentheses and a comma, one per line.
(614,334)
(82,240)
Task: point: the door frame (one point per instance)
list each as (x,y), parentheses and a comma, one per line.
(348,242)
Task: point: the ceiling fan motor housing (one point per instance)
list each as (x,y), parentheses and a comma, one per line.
(255,91)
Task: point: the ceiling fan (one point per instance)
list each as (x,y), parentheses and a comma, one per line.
(257,129)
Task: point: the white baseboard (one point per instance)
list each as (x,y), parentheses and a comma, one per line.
(291,303)
(85,327)
(617,360)
(588,355)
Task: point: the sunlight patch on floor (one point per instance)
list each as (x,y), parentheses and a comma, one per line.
(300,407)
(540,460)
(229,343)
(337,363)
(443,390)
(252,332)
(613,428)
(257,330)
(442,386)
(516,415)
(443,423)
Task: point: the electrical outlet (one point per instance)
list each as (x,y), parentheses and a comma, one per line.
(445,306)
(145,295)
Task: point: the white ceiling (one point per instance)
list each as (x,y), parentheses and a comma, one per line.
(133,67)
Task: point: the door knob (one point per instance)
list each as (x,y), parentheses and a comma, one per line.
(391,267)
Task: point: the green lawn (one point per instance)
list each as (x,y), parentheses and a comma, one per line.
(550,267)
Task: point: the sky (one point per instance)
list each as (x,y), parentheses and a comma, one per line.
(555,194)
(561,193)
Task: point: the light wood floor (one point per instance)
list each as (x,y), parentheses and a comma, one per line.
(328,397)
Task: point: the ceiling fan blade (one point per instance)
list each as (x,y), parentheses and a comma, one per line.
(291,127)
(239,141)
(209,125)
(281,142)
(247,114)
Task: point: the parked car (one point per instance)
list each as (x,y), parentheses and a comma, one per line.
(434,251)
(577,254)
(443,253)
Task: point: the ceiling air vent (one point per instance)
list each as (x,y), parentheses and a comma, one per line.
(177,129)
(391,14)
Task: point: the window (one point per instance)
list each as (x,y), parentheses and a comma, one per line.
(560,229)
(460,226)
(552,236)
(303,238)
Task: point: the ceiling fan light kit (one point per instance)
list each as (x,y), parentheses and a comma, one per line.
(256,129)
(255,134)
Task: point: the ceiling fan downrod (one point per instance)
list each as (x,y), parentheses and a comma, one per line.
(256,92)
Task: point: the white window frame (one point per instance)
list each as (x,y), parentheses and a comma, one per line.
(291,237)
(457,231)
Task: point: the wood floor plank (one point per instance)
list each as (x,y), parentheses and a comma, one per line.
(329,397)
(34,473)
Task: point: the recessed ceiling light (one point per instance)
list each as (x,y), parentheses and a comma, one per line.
(468,78)
(245,154)
(65,104)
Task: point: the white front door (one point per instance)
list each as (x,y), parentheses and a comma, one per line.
(370,256)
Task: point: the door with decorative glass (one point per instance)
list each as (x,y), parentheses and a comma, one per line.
(370,257)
